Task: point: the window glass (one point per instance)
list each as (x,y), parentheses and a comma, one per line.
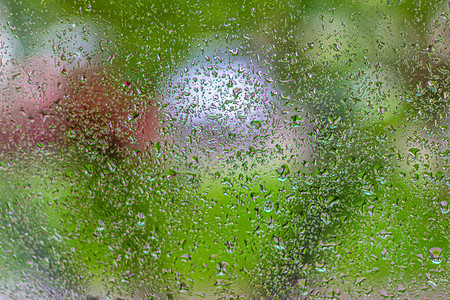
(224,149)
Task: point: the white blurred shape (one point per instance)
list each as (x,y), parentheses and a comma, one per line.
(76,44)
(10,50)
(221,89)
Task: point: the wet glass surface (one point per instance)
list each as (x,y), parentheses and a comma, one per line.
(227,149)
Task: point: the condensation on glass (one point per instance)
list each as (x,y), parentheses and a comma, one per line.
(225,149)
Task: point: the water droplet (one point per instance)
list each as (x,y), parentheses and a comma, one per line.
(102,225)
(444,207)
(414,152)
(268,206)
(237,92)
(282,173)
(325,217)
(303,284)
(126,84)
(367,192)
(279,247)
(234,52)
(171,173)
(278,244)
(230,247)
(221,268)
(320,266)
(432,283)
(436,255)
(296,121)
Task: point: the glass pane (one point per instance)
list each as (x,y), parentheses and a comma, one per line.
(225,149)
